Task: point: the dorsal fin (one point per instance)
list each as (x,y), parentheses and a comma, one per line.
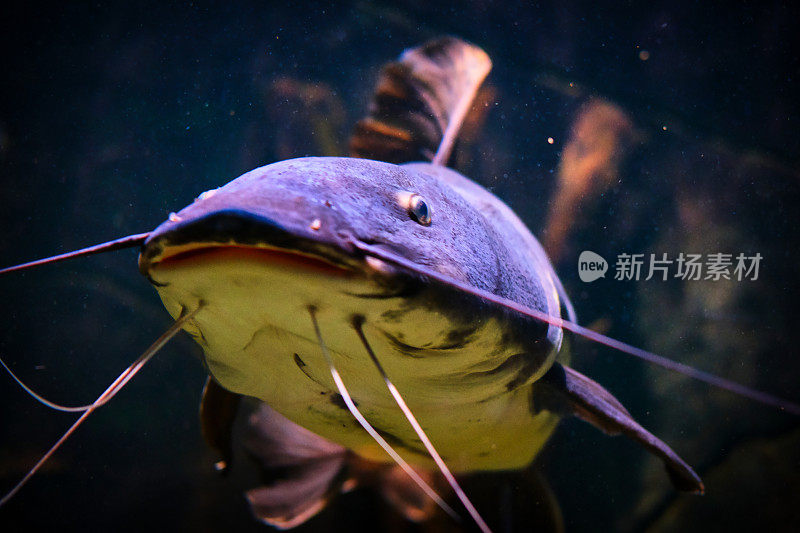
(420,103)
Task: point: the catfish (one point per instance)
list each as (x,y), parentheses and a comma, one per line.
(391,318)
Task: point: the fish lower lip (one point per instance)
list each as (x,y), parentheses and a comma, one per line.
(274,257)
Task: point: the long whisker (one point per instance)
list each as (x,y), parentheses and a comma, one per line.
(700,375)
(371,430)
(41,399)
(109,393)
(357,325)
(117,244)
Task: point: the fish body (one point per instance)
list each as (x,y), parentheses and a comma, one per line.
(251,252)
(330,289)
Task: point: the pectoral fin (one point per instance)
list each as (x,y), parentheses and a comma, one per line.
(405,496)
(301,471)
(566,391)
(218,408)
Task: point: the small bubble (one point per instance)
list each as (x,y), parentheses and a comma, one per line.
(550,140)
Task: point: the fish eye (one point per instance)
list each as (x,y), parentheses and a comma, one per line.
(418,210)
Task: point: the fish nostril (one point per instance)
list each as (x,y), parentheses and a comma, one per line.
(347,241)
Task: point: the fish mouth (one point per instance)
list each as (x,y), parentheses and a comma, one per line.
(204,252)
(233,233)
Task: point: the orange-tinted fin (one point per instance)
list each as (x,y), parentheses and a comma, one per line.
(405,496)
(566,391)
(420,103)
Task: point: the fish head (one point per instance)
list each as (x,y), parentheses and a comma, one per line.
(304,214)
(259,252)
(318,205)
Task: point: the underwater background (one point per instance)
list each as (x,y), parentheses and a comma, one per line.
(614,127)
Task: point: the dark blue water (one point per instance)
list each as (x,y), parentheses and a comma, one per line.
(113,115)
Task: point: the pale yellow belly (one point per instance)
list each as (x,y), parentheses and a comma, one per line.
(258,340)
